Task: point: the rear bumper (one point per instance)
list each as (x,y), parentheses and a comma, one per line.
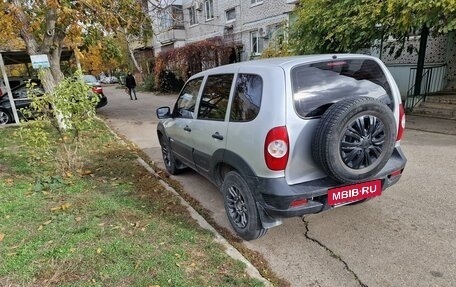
(275,195)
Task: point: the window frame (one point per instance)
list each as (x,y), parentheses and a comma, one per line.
(176,113)
(192,15)
(227,99)
(209,9)
(254,3)
(226,15)
(235,95)
(258,50)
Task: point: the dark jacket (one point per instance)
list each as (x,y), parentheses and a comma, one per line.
(130,81)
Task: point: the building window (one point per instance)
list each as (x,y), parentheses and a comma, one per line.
(256,43)
(230,15)
(255,2)
(192,14)
(209,8)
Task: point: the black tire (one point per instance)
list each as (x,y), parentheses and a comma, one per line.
(170,161)
(354,139)
(240,207)
(4,117)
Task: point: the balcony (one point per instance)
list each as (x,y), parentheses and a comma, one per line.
(171,25)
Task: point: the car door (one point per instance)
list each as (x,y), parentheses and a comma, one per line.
(179,127)
(210,127)
(20,97)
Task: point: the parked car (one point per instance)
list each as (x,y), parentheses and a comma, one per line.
(109,80)
(288,136)
(96,88)
(21,100)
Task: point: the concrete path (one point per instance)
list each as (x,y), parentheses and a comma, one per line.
(406,237)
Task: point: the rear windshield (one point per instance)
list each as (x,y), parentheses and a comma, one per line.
(317,86)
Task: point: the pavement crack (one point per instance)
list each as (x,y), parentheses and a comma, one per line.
(331,253)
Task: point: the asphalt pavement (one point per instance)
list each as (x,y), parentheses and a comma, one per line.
(406,237)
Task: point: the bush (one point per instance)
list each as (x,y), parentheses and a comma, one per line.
(169,83)
(149,83)
(174,67)
(67,111)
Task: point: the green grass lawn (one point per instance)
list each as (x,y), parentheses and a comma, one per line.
(114,225)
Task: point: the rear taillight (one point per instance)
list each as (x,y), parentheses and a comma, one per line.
(97,90)
(276,148)
(400,131)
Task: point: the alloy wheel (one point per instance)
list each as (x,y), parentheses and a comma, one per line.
(4,118)
(237,207)
(362,143)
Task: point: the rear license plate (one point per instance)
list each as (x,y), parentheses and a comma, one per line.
(354,192)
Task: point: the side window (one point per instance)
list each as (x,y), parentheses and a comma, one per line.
(185,105)
(247,98)
(214,101)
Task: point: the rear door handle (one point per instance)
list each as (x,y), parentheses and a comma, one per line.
(187,129)
(217,136)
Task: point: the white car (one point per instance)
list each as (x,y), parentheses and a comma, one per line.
(109,80)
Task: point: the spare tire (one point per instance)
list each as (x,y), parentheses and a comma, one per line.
(354,139)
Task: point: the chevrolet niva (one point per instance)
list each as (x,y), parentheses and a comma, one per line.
(286,137)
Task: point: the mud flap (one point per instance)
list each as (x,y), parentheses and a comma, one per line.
(266,220)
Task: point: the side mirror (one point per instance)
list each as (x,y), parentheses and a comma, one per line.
(163,112)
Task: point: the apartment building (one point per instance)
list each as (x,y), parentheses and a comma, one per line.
(248,25)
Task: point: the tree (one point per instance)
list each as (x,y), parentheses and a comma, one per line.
(326,26)
(47,26)
(104,55)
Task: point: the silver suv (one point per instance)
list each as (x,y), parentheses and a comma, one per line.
(289,136)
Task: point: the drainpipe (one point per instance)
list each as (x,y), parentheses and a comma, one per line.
(421,58)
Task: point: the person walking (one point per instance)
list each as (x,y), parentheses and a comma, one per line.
(130,83)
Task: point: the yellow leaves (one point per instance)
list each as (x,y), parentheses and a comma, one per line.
(44,224)
(2,236)
(92,59)
(47,222)
(62,207)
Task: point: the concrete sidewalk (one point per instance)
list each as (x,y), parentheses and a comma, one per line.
(429,124)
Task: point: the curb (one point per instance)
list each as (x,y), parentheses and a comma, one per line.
(229,249)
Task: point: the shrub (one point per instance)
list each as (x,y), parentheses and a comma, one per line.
(149,83)
(175,66)
(66,112)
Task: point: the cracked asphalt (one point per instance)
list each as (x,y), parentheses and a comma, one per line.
(406,237)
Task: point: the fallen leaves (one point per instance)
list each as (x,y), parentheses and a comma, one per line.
(64,206)
(44,224)
(2,236)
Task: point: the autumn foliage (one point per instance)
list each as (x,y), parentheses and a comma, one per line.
(175,66)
